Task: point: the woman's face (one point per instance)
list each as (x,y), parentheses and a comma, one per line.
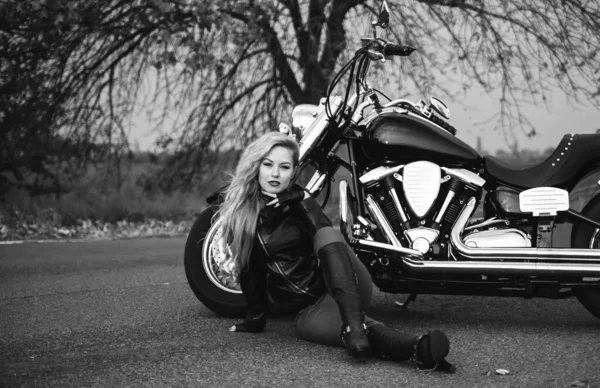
(276,169)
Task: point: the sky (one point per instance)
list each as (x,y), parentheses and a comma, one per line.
(551,123)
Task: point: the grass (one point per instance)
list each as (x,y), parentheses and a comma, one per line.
(94,199)
(129,203)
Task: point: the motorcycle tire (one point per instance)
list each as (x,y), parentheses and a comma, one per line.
(221,299)
(581,237)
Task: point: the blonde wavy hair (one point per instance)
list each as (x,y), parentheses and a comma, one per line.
(239,211)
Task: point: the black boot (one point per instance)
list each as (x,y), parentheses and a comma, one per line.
(342,285)
(391,344)
(427,351)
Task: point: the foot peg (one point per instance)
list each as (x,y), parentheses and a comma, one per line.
(403,305)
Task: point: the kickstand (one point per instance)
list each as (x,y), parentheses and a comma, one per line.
(400,305)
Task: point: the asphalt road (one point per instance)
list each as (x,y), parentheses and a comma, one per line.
(120,314)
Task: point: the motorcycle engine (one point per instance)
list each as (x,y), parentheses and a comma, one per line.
(495,238)
(420,201)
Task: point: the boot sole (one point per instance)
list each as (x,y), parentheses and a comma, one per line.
(439,346)
(360,353)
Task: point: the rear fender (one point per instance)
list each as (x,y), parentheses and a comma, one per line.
(586,189)
(218,196)
(585,228)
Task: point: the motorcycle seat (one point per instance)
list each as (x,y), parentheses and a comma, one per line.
(571,156)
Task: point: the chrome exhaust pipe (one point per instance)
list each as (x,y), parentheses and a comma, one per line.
(370,244)
(570,255)
(500,268)
(374,245)
(413,261)
(381,221)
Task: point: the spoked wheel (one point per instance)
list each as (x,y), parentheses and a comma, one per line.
(588,236)
(210,269)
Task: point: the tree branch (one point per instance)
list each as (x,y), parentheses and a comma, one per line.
(279,58)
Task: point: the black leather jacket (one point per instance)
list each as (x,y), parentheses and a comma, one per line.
(283,275)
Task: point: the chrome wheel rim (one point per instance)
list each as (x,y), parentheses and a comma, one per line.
(217,261)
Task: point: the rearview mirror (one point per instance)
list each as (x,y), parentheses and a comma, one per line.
(383,20)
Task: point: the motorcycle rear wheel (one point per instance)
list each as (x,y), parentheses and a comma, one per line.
(587,236)
(209,274)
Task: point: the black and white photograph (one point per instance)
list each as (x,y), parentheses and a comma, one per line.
(300,193)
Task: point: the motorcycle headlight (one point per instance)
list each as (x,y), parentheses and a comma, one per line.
(303,116)
(318,124)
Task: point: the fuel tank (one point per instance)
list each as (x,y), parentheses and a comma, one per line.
(406,137)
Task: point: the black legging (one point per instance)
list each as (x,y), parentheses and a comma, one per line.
(321,321)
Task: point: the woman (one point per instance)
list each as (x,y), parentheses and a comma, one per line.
(291,259)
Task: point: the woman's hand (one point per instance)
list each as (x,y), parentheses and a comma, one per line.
(292,195)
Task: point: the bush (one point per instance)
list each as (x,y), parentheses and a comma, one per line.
(96,200)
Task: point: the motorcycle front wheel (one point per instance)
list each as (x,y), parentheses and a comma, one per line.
(585,235)
(209,268)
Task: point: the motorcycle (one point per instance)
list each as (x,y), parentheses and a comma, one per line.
(423,210)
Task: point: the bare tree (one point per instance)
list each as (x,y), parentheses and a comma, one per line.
(70,72)
(226,71)
(522,50)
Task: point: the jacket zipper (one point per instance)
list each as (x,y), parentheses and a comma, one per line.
(295,286)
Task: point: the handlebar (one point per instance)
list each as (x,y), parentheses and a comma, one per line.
(373,49)
(391,49)
(379,49)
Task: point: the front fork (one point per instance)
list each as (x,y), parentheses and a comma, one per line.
(326,168)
